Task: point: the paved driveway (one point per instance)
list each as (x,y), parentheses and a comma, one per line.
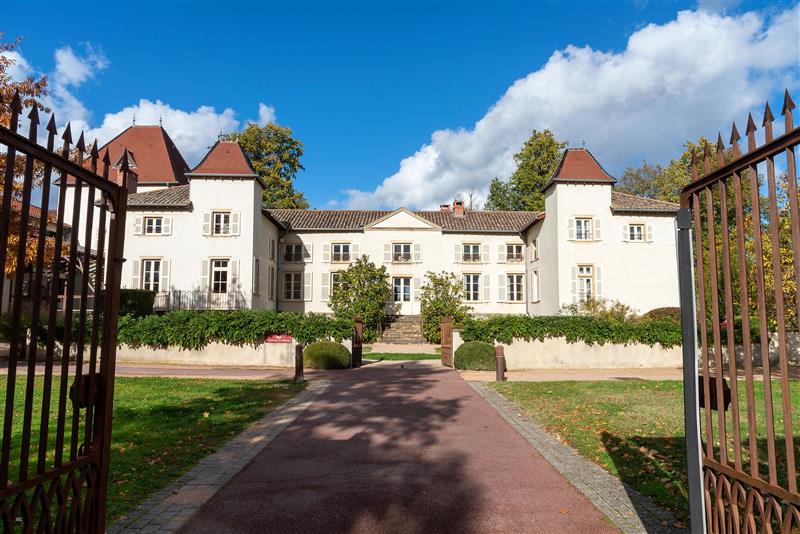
(399,447)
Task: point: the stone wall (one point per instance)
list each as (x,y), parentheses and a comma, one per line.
(556,353)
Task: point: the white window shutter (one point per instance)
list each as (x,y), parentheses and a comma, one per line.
(323,284)
(204,277)
(599,281)
(597,235)
(135,279)
(234,275)
(417,289)
(326,252)
(571,228)
(501,287)
(387,252)
(457,253)
(207,223)
(137,225)
(484,253)
(501,253)
(166,226)
(308,253)
(307,287)
(417,252)
(355,251)
(164,282)
(649,235)
(574,285)
(235,216)
(625,232)
(485,288)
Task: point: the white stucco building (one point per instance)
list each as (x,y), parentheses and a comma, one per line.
(200,240)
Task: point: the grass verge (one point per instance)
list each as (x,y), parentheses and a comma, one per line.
(634,429)
(162,428)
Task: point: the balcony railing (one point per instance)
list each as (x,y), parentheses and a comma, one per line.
(514,257)
(341,257)
(401,258)
(198,300)
(471,258)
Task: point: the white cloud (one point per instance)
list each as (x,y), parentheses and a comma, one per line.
(266,114)
(193,131)
(671,83)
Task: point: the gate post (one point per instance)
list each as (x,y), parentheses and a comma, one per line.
(500,363)
(691,403)
(358,340)
(447,341)
(298,363)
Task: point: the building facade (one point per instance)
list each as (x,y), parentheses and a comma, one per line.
(199,239)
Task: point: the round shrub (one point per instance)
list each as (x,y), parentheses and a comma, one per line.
(326,355)
(669,312)
(475,356)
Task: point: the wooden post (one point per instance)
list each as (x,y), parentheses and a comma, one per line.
(358,339)
(500,363)
(447,341)
(298,363)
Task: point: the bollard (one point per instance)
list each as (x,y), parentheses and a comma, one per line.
(298,363)
(500,363)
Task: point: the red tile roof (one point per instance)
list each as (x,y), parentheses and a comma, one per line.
(157,158)
(226,158)
(579,165)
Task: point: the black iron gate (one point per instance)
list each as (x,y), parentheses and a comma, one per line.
(56,420)
(739,260)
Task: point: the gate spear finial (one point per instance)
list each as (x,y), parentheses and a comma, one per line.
(735,140)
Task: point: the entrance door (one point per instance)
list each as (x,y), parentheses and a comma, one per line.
(401,295)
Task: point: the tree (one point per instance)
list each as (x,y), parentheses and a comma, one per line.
(442,296)
(666,183)
(362,291)
(536,161)
(275,156)
(30,90)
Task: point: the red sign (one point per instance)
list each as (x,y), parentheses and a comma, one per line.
(279,338)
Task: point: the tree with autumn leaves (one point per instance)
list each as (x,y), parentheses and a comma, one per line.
(30,91)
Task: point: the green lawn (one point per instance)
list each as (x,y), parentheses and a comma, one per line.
(634,429)
(164,426)
(403,356)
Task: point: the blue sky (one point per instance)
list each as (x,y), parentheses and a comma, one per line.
(393,100)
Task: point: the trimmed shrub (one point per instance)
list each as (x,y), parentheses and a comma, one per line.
(442,296)
(326,355)
(590,330)
(669,312)
(475,356)
(195,330)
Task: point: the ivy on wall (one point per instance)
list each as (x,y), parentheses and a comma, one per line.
(195,330)
(590,330)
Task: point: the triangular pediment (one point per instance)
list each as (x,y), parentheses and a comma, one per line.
(402,219)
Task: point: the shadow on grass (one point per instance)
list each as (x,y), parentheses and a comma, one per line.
(656,466)
(350,464)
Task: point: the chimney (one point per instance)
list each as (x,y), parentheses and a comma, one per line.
(458,208)
(444,207)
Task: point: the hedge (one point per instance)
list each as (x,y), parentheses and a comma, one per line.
(326,355)
(504,328)
(136,302)
(195,330)
(475,356)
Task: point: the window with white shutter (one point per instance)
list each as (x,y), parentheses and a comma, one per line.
(207,223)
(485,288)
(501,288)
(514,287)
(166,228)
(387,252)
(164,282)
(307,287)
(137,225)
(135,275)
(501,253)
(535,286)
(324,279)
(417,252)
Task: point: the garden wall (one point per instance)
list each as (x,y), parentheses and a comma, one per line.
(216,354)
(792,351)
(557,353)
